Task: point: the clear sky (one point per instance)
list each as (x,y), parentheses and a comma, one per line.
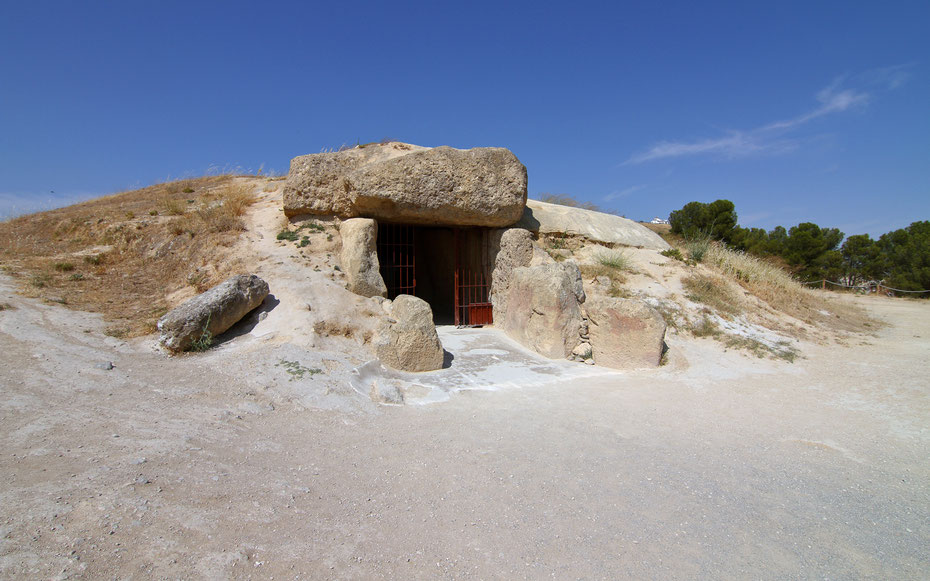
(795,111)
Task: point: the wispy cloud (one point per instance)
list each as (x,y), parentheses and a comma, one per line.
(623,193)
(771,137)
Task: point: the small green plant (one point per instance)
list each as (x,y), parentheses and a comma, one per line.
(304,241)
(6,307)
(296,370)
(77,276)
(697,248)
(94,259)
(614,259)
(673,253)
(188,190)
(64,266)
(557,243)
(329,237)
(336,268)
(288,235)
(204,341)
(153,212)
(130,215)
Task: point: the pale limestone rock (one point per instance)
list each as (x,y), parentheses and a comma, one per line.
(553,218)
(405,183)
(625,333)
(515,249)
(544,308)
(407,338)
(359,257)
(214,311)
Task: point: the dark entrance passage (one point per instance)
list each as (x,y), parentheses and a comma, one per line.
(447,267)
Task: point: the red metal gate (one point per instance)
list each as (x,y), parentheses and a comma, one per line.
(397,258)
(472,278)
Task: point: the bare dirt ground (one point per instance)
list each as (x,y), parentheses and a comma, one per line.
(232,464)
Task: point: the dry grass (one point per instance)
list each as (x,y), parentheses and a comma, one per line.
(782,292)
(122,255)
(614,259)
(713,291)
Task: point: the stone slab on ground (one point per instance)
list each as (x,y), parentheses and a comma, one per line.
(213,311)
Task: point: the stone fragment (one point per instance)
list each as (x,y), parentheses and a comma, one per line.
(359,257)
(543,308)
(625,333)
(404,183)
(582,351)
(407,338)
(214,311)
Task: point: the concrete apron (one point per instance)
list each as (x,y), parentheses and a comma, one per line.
(483,359)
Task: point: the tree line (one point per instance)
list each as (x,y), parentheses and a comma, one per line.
(899,259)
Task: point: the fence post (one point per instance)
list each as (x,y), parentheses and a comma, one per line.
(823,284)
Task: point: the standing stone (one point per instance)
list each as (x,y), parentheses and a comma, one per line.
(415,185)
(625,333)
(214,311)
(406,339)
(359,257)
(515,249)
(544,308)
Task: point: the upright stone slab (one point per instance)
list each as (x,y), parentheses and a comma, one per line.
(406,339)
(544,308)
(625,333)
(404,183)
(359,257)
(514,249)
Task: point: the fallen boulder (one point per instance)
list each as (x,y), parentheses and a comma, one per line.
(397,182)
(625,333)
(359,257)
(406,339)
(544,308)
(212,312)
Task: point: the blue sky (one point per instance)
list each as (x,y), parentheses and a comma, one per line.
(795,111)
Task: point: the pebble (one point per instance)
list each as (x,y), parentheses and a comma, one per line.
(105,365)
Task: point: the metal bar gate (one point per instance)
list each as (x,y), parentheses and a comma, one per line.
(472,278)
(397,258)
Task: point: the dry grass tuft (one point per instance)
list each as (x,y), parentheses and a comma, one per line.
(713,291)
(123,254)
(614,259)
(782,292)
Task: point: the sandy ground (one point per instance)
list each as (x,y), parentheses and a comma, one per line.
(231,465)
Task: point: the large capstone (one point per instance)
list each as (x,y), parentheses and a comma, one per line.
(406,339)
(544,308)
(397,182)
(210,313)
(625,333)
(359,257)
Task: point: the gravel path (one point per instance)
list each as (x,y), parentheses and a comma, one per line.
(227,466)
